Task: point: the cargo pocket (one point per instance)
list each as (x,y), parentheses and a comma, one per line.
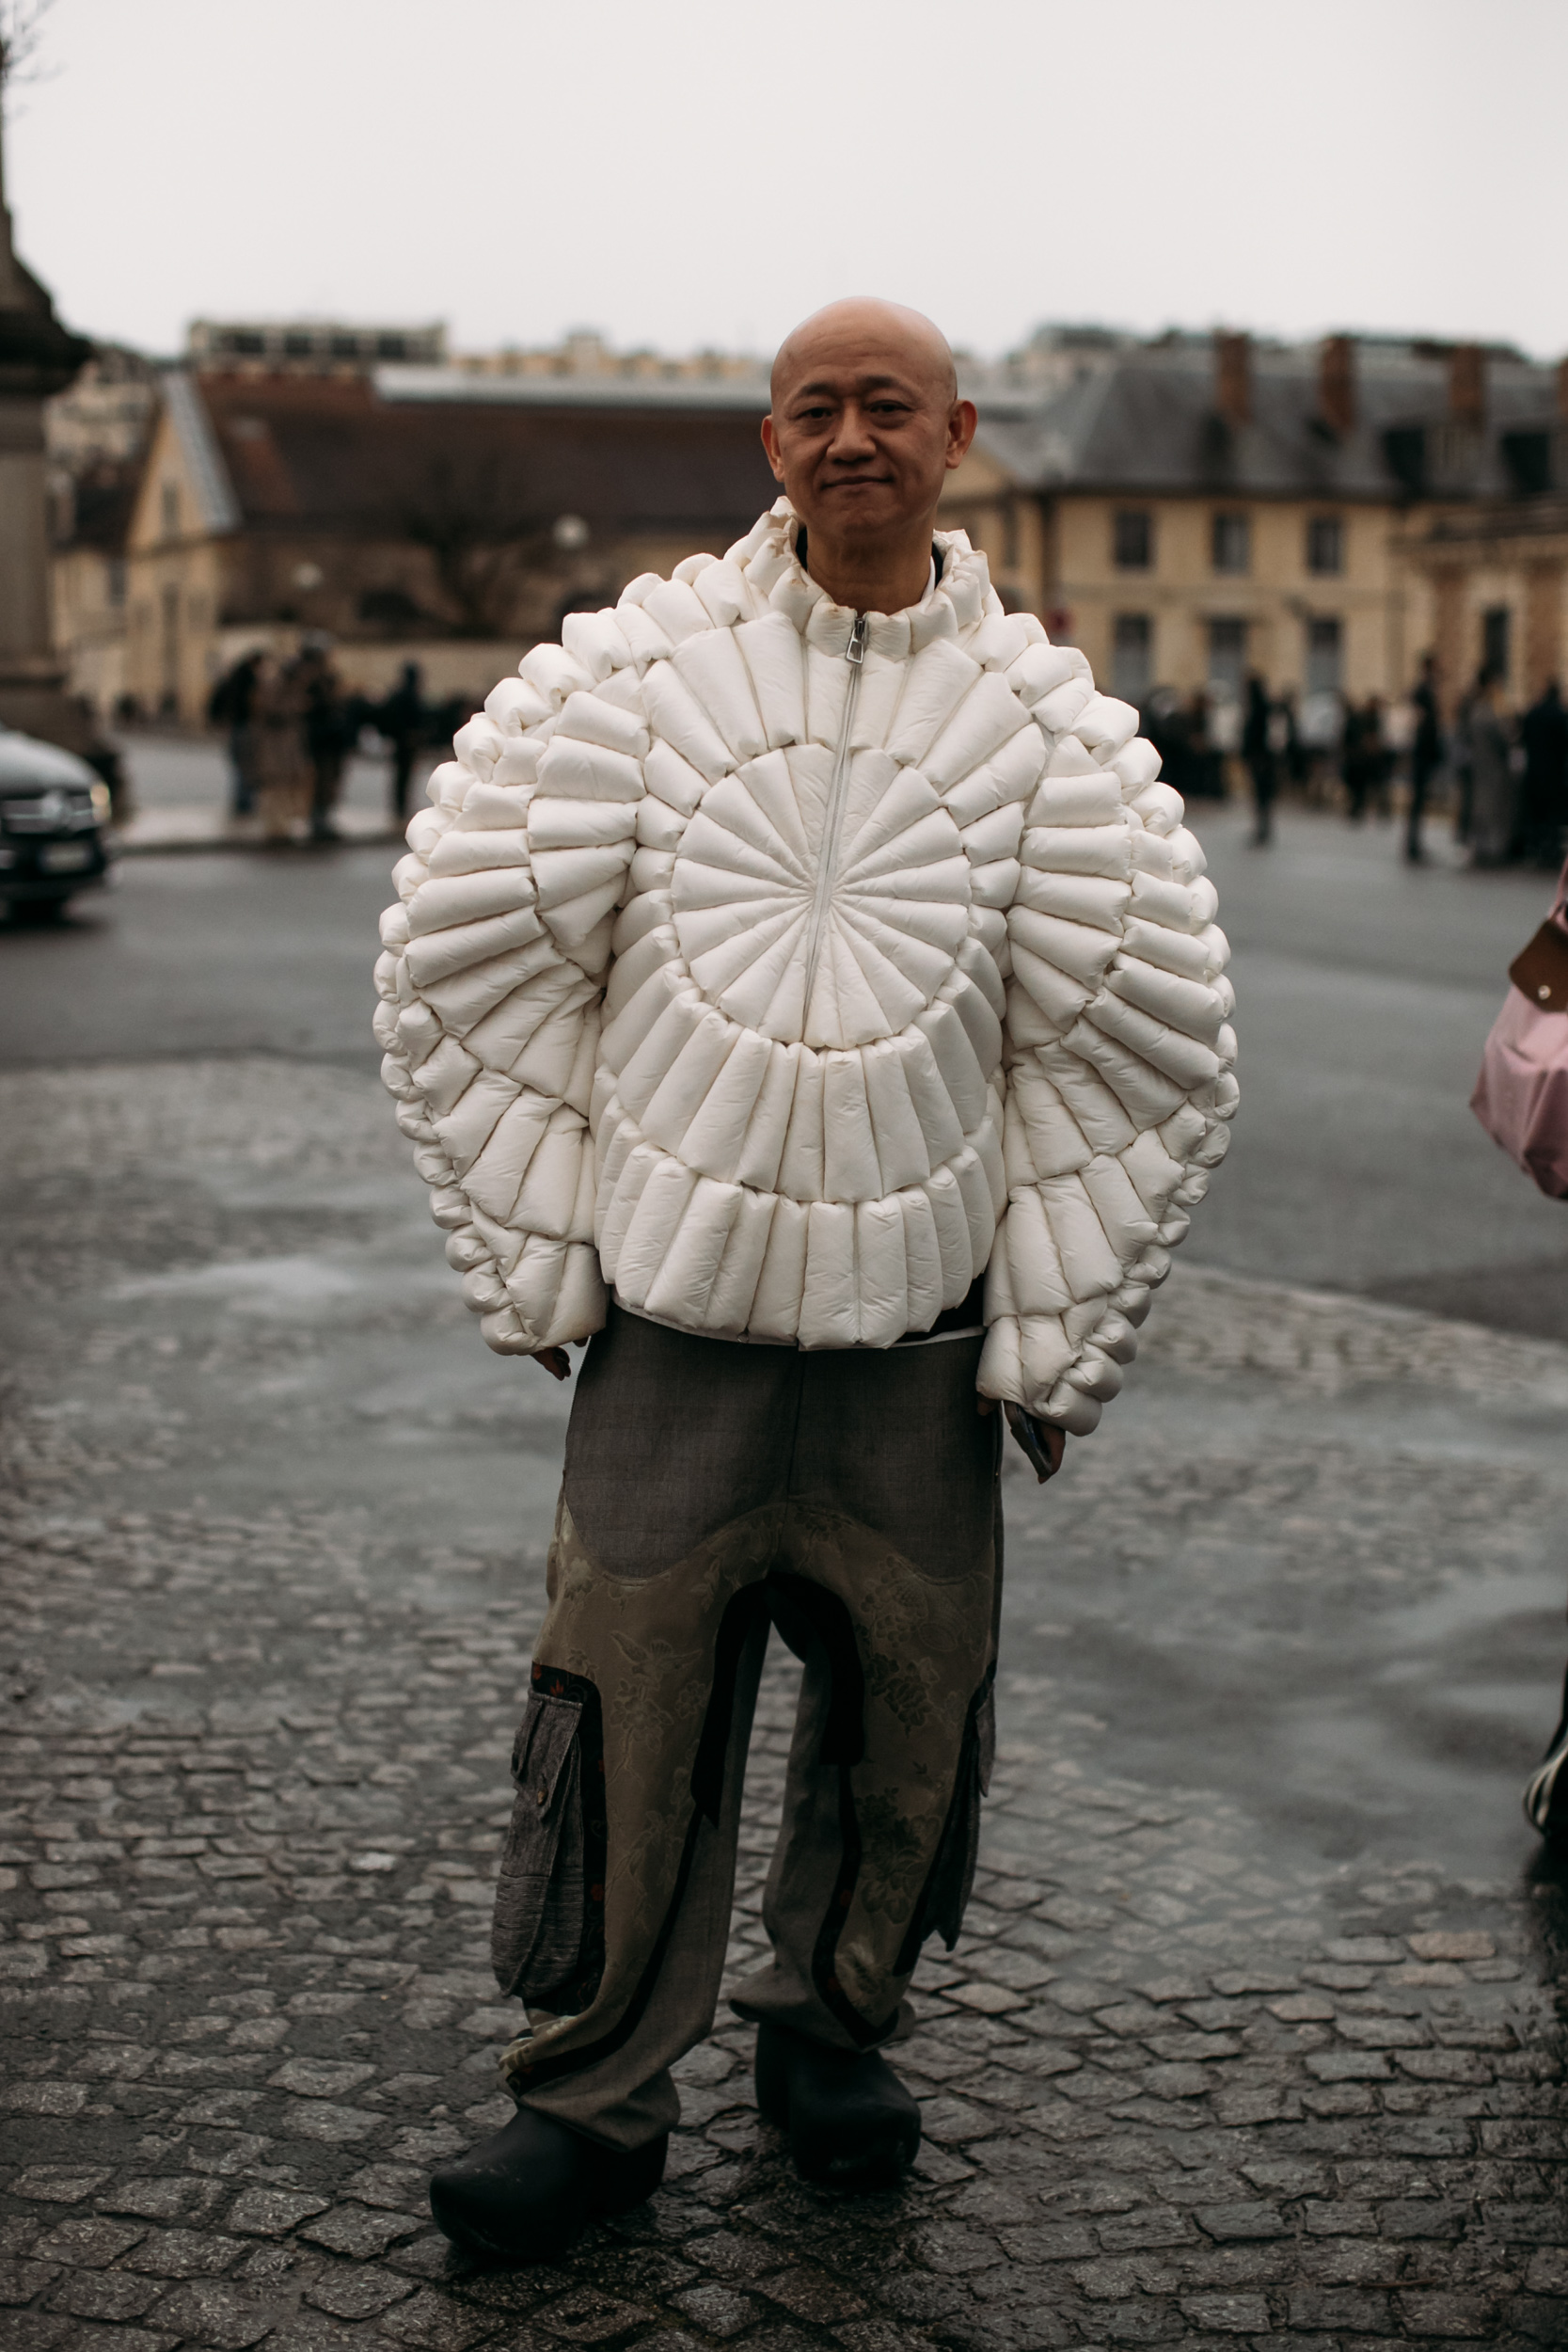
(541,1938)
(945,1897)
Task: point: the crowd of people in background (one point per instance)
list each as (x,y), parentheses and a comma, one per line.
(291,727)
(1508,771)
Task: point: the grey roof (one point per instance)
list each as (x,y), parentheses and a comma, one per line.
(1147,422)
(690,393)
(220,508)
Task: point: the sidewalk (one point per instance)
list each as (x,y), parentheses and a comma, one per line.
(1250,2039)
(181,785)
(157,831)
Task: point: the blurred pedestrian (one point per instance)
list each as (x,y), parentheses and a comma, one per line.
(402,720)
(1366,760)
(1284,738)
(1493,786)
(1544,796)
(282,762)
(1426,755)
(232,705)
(1260,759)
(327,739)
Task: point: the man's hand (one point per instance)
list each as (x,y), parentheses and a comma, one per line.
(556,1362)
(1043,1444)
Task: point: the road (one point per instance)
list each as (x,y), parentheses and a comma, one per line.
(1250,2036)
(1366,990)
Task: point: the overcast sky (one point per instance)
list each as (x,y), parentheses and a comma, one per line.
(704,172)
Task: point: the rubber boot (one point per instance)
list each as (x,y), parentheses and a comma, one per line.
(527,2193)
(851,2122)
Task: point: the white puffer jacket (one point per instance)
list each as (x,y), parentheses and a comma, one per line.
(785,970)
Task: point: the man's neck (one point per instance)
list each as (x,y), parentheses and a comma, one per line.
(872,580)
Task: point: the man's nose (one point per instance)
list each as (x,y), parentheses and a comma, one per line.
(852,442)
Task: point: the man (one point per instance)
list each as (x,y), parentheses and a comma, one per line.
(801,984)
(1260,759)
(402,720)
(1426,756)
(1544,796)
(231,705)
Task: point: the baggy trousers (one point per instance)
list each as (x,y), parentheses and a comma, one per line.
(713,1489)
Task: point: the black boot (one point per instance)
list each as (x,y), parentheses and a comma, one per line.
(524,2196)
(851,2122)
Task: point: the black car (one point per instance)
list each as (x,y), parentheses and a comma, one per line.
(53,815)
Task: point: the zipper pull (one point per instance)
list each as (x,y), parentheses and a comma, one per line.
(854,652)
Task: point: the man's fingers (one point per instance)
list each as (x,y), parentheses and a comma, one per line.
(556,1362)
(985,1405)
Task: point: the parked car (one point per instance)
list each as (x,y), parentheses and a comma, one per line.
(54,817)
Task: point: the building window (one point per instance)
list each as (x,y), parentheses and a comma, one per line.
(1529,459)
(1132,540)
(171,510)
(1495,635)
(1226,658)
(1324,645)
(113,583)
(1133,665)
(1326,544)
(1230,543)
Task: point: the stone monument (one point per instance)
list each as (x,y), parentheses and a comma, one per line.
(37,357)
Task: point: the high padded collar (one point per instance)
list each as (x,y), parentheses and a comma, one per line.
(952,608)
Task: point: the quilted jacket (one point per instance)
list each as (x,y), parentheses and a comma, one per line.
(786,969)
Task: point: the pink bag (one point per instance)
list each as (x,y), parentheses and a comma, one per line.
(1521,1096)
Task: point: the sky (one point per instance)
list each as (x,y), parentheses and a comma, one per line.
(704,172)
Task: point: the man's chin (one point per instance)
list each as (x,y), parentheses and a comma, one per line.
(861,512)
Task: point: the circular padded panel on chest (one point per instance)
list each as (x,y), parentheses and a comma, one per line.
(829,916)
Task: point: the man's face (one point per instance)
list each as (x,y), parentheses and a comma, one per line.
(863,428)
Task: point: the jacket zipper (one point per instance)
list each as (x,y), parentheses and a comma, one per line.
(839,792)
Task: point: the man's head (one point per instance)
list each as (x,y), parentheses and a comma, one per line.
(867,420)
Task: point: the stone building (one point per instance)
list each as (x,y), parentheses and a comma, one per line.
(1193,509)
(445,517)
(1188,510)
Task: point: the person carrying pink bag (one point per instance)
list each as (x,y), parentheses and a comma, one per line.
(1521,1098)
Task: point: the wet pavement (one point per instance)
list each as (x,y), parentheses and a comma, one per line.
(1252,2033)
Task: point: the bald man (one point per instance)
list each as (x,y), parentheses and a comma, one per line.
(802,990)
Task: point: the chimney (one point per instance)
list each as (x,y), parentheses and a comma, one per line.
(1233,377)
(1337,384)
(1468,384)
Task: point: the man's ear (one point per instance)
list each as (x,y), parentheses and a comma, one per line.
(770,443)
(961,431)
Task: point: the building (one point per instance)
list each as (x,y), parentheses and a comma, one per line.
(1189,510)
(309,346)
(1193,509)
(93,512)
(428,514)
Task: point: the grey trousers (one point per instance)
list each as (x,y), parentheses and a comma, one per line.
(712,1491)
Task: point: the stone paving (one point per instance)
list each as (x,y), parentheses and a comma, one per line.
(1183,2080)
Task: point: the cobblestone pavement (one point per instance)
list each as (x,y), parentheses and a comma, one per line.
(1251,2034)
